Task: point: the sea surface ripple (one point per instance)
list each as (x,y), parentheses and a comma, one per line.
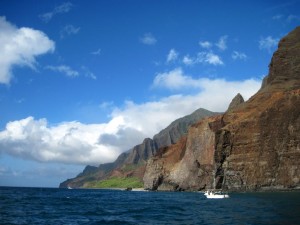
(86,206)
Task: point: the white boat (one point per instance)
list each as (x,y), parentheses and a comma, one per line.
(216,195)
(212,193)
(69,187)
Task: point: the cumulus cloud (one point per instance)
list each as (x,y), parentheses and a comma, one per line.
(148,39)
(222,43)
(177,80)
(268,43)
(174,79)
(172,55)
(64,69)
(125,137)
(238,55)
(69,142)
(210,58)
(78,143)
(187,60)
(205,44)
(203,58)
(20,47)
(63,8)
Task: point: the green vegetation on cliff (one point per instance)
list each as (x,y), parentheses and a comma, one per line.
(116,182)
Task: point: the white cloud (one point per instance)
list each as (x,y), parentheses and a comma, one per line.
(68,71)
(174,79)
(20,47)
(210,58)
(187,60)
(124,137)
(69,30)
(148,39)
(205,44)
(63,8)
(97,52)
(69,142)
(106,105)
(64,69)
(268,43)
(286,18)
(221,44)
(238,55)
(172,56)
(87,73)
(177,80)
(78,143)
(203,58)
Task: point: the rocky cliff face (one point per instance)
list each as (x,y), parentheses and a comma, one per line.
(132,162)
(168,136)
(264,141)
(253,146)
(284,68)
(187,165)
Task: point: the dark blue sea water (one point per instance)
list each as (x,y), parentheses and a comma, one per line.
(63,206)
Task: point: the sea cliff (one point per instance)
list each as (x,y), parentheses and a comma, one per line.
(254,145)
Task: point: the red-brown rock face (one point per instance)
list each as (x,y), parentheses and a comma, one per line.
(253,146)
(187,165)
(262,143)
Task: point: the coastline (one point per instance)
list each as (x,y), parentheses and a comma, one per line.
(113,189)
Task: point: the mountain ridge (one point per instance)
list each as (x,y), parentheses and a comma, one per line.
(252,146)
(139,154)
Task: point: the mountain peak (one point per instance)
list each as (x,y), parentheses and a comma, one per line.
(236,101)
(284,69)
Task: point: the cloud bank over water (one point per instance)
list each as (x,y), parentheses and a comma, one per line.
(74,142)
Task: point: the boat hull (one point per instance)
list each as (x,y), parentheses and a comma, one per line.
(215,195)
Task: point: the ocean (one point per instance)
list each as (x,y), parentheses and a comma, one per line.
(91,206)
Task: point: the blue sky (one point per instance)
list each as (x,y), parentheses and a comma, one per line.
(81,82)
